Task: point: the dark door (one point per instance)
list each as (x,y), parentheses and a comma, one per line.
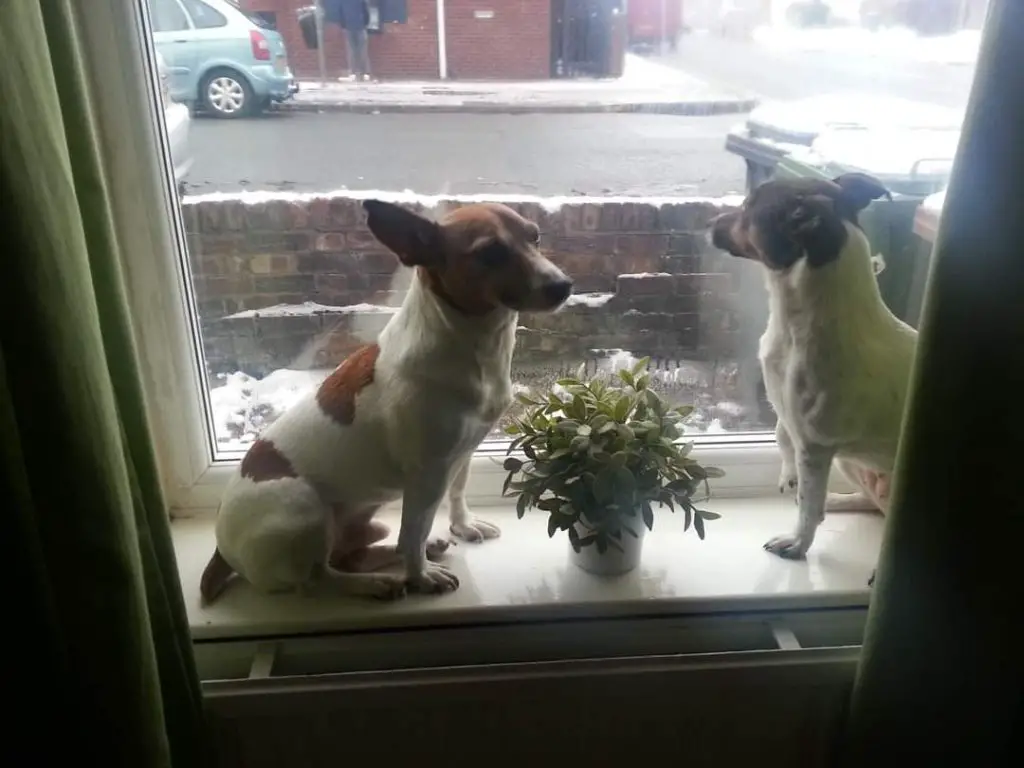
(581,37)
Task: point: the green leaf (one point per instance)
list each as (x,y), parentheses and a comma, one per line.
(512,464)
(568,426)
(513,429)
(523,399)
(574,539)
(568,382)
(713,472)
(622,408)
(521,505)
(584,430)
(708,515)
(626,376)
(684,410)
(698,525)
(604,485)
(689,517)
(648,514)
(552,526)
(641,365)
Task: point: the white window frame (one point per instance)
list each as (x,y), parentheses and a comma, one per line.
(149,226)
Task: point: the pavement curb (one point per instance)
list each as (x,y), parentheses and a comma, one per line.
(683,109)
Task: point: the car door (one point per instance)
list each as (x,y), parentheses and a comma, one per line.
(173,37)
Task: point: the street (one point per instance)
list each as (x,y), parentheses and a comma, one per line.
(774,73)
(547,154)
(592,154)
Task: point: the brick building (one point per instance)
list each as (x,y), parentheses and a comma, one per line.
(484,39)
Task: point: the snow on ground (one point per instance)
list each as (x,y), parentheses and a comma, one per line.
(550,204)
(898,43)
(243,406)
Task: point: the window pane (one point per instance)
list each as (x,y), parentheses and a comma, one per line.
(289,280)
(203,16)
(167,16)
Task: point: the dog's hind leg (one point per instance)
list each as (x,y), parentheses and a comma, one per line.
(461,522)
(871,496)
(812,465)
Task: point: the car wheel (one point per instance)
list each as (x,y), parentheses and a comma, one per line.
(225,93)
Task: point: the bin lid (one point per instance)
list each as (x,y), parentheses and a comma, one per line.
(804,119)
(890,154)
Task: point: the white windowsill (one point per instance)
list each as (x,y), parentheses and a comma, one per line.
(525,575)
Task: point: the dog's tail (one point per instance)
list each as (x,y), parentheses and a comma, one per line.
(216,577)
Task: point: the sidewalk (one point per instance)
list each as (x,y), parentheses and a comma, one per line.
(645,86)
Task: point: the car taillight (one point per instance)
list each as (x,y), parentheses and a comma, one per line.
(260,46)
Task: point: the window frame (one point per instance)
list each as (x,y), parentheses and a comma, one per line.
(166,323)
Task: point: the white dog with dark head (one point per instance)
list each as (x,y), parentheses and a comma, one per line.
(836,361)
(400,418)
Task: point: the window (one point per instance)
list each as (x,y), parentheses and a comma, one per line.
(282,280)
(203,16)
(167,16)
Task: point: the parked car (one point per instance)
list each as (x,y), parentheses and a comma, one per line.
(220,59)
(178,122)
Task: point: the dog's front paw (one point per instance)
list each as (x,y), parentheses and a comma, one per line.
(474,529)
(385,586)
(434,579)
(791,547)
(436,547)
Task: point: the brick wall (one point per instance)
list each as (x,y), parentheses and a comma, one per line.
(401,52)
(514,45)
(646,282)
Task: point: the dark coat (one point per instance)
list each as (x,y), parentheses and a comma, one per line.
(349,14)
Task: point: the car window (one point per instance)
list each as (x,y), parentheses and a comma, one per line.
(167,16)
(203,16)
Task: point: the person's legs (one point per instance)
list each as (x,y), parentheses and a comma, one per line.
(358,53)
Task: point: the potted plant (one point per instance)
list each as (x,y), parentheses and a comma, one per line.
(599,456)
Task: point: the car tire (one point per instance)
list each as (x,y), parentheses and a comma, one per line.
(225,93)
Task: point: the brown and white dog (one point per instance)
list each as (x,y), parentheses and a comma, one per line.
(836,361)
(400,418)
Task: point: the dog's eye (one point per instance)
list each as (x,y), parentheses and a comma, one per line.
(493,255)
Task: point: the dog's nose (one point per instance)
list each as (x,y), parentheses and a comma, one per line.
(558,291)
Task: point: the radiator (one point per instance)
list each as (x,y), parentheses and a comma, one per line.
(761,691)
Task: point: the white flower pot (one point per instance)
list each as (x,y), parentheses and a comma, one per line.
(614,561)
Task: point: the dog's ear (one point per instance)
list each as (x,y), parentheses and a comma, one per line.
(415,240)
(859,189)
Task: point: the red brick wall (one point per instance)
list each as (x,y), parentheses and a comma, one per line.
(514,45)
(401,52)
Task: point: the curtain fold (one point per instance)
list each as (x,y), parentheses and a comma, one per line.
(940,675)
(106,662)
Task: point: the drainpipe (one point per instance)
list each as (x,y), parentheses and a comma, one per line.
(321,58)
(442,43)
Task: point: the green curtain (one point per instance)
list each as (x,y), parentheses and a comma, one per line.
(940,676)
(103,668)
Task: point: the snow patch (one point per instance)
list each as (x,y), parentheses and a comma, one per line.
(551,204)
(243,406)
(309,308)
(895,42)
(593,300)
